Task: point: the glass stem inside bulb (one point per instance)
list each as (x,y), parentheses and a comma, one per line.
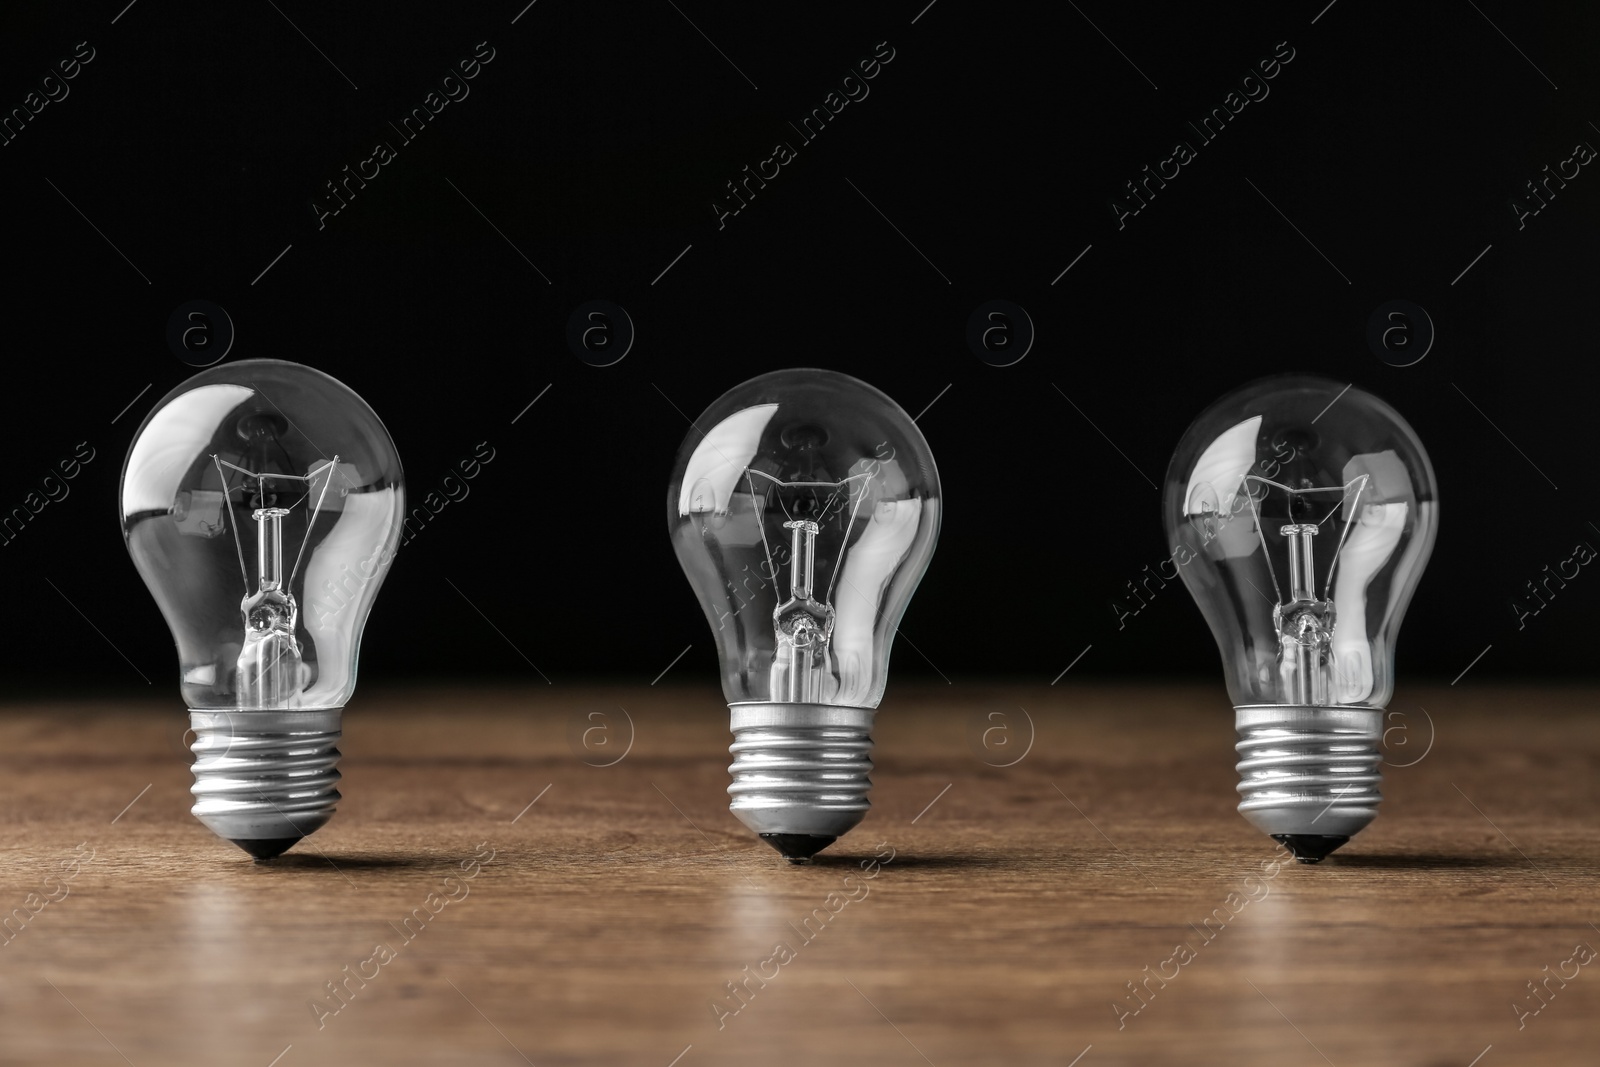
(1301,574)
(269,660)
(269,546)
(1304,624)
(803,626)
(803,553)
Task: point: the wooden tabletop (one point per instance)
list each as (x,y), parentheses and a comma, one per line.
(563,912)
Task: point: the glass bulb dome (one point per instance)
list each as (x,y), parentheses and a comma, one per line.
(262,502)
(1301,513)
(804,508)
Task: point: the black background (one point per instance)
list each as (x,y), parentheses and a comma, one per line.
(597,140)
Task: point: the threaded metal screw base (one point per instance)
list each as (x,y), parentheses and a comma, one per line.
(1309,770)
(265,779)
(800,768)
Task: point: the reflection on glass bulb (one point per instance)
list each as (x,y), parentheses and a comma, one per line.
(804,508)
(1301,514)
(262,502)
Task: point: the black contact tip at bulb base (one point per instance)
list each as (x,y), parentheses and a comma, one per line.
(1310,848)
(266,848)
(798,848)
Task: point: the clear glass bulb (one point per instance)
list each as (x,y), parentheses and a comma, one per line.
(804,508)
(262,502)
(1301,513)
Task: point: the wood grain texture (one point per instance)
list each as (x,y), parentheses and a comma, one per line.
(615,909)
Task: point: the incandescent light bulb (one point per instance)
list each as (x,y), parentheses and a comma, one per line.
(804,507)
(262,502)
(1300,514)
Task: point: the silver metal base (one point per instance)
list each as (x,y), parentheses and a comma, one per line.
(265,775)
(800,768)
(1309,770)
